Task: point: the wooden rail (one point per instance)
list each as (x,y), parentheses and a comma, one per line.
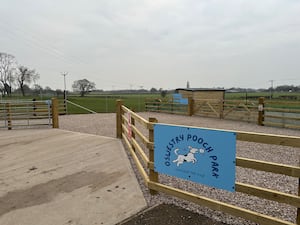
(34,113)
(165,106)
(271,113)
(282,114)
(141,147)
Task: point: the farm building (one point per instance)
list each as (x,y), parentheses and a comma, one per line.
(202,93)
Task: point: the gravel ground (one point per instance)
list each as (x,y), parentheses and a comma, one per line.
(168,214)
(105,125)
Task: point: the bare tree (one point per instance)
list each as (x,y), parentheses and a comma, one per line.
(26,76)
(83,86)
(1,89)
(7,70)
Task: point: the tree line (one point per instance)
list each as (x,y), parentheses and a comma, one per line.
(21,77)
(12,74)
(280,88)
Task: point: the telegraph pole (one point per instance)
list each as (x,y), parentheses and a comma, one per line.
(65,90)
(65,87)
(271,89)
(64,74)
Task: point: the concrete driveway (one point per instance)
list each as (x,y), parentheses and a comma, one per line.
(57,177)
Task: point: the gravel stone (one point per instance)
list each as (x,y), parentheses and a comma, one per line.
(104,124)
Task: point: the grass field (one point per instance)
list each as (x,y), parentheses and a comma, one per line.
(98,103)
(107,103)
(279,99)
(275,95)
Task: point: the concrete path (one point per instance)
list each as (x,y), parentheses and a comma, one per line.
(57,177)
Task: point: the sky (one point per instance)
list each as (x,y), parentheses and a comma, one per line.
(133,44)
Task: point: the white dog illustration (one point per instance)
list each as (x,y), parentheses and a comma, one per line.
(190,157)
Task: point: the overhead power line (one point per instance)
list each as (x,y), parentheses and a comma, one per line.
(32,40)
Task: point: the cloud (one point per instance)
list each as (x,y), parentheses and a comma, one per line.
(153,43)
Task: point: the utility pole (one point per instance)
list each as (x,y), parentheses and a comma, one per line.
(65,90)
(140,97)
(64,74)
(271,89)
(65,87)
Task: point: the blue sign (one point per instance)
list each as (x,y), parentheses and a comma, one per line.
(200,155)
(177,98)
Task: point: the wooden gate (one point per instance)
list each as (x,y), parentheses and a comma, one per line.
(227,109)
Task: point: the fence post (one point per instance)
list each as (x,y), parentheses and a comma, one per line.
(65,102)
(153,176)
(298,209)
(54,113)
(132,121)
(65,107)
(190,106)
(221,108)
(119,118)
(131,134)
(8,112)
(261,111)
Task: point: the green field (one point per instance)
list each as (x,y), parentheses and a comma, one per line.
(107,103)
(266,95)
(279,99)
(103,103)
(136,102)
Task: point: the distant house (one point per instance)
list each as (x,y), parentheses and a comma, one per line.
(202,93)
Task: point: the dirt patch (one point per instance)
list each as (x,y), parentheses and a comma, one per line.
(169,214)
(46,192)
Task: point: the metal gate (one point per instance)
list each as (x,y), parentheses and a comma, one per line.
(25,113)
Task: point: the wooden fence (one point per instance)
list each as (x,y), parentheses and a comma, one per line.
(228,109)
(282,114)
(165,106)
(138,136)
(262,112)
(17,114)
